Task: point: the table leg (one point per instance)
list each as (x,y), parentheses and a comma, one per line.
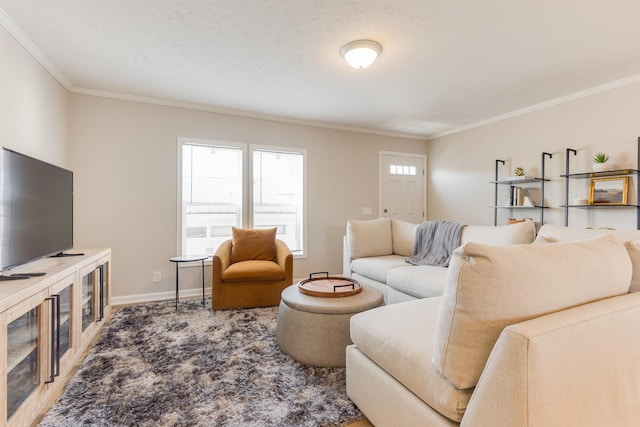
(202,283)
(177,286)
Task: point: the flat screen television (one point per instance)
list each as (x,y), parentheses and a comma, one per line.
(36,209)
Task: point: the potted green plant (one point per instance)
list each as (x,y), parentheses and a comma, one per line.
(600,162)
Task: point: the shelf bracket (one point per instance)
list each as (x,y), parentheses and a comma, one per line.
(495,197)
(544,154)
(566,185)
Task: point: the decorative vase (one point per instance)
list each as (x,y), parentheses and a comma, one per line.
(600,167)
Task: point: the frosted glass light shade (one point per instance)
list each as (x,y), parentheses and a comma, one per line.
(361,53)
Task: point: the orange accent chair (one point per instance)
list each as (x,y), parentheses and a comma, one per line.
(250,270)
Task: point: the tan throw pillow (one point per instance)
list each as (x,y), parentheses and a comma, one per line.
(253,244)
(491,287)
(369,238)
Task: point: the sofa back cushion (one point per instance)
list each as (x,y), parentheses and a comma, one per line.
(403,237)
(633,249)
(631,239)
(511,234)
(490,287)
(557,233)
(369,238)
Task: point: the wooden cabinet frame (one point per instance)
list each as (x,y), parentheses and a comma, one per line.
(45,294)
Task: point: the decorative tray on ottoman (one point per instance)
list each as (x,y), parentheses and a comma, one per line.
(329,286)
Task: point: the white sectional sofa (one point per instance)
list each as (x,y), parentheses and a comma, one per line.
(532,335)
(374,253)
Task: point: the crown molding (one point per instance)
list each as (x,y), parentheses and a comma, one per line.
(543,105)
(239,113)
(30,47)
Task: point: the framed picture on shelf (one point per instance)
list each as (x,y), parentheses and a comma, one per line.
(609,191)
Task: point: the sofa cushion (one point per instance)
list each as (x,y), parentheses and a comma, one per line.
(633,249)
(557,233)
(403,236)
(490,287)
(420,281)
(377,267)
(511,234)
(369,238)
(399,339)
(253,244)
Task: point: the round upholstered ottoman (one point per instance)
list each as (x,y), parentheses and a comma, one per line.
(315,330)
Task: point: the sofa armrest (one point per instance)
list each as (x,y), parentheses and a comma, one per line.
(346,257)
(575,367)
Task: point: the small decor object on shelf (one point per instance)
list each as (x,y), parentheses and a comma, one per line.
(600,162)
(578,201)
(519,172)
(515,195)
(516,221)
(609,191)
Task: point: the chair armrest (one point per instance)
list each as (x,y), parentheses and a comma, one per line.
(284,258)
(221,259)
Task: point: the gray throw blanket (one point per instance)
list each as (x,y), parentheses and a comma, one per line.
(435,242)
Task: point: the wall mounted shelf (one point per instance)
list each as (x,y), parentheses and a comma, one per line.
(604,174)
(540,181)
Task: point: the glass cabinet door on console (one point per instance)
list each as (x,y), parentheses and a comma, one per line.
(25,367)
(64,341)
(88,299)
(94,294)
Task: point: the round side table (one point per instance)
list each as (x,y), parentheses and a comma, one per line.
(188,258)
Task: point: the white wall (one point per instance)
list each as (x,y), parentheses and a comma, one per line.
(124,158)
(33,106)
(461,165)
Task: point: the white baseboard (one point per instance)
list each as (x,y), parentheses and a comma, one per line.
(158,296)
(163,296)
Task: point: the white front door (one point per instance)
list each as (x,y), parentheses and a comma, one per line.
(402,186)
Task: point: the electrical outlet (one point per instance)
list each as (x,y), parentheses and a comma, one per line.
(157,276)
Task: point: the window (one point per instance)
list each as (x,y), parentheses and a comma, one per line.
(402,170)
(224,185)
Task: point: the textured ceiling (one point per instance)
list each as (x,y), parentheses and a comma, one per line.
(445,65)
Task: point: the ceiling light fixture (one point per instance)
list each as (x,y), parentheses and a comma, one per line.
(361,53)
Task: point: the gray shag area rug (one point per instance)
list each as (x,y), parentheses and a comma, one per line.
(155,367)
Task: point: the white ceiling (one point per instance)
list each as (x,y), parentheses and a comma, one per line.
(446,65)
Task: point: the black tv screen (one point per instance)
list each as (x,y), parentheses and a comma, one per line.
(36,209)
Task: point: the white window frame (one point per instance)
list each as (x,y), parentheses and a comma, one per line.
(247,180)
